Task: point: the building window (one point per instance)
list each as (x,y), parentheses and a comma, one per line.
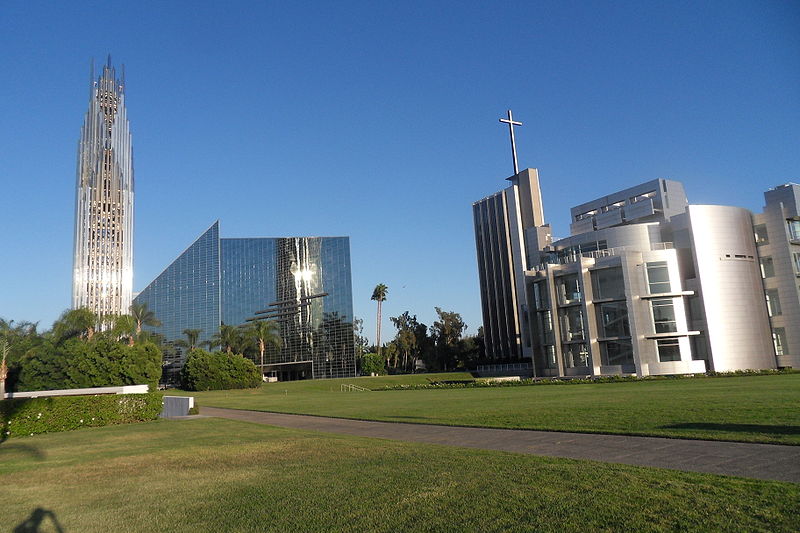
(612,319)
(644,196)
(569,290)
(550,357)
(760,231)
(794,229)
(576,355)
(544,327)
(773,302)
(540,296)
(616,353)
(796,261)
(664,316)
(669,350)
(658,277)
(572,324)
(767,267)
(779,340)
(608,283)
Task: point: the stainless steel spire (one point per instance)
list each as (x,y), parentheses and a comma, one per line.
(103,254)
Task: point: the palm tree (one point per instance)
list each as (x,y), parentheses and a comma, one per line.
(122,326)
(379,295)
(81,322)
(266,334)
(191,339)
(227,338)
(143,317)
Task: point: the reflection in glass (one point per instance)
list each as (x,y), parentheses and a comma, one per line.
(575,355)
(664,315)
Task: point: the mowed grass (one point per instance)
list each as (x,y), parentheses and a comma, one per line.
(222,475)
(748,408)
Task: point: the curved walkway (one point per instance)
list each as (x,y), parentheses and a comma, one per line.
(761,461)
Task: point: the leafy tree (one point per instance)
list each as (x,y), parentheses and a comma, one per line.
(379,295)
(447,331)
(218,371)
(143,316)
(266,333)
(390,354)
(361,342)
(406,338)
(102,362)
(372,363)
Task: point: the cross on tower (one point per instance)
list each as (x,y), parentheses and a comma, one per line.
(511,124)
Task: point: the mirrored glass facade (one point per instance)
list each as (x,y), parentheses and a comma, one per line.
(187,294)
(102,277)
(301,283)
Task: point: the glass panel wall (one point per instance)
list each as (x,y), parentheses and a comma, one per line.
(669,350)
(794,229)
(773,302)
(761,235)
(779,340)
(608,283)
(572,324)
(658,277)
(616,352)
(664,315)
(541,296)
(612,319)
(575,355)
(568,289)
(767,267)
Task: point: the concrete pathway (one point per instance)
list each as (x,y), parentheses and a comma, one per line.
(761,461)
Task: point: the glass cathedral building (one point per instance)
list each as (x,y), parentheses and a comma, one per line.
(103,247)
(301,283)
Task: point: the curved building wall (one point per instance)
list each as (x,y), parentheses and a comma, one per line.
(726,265)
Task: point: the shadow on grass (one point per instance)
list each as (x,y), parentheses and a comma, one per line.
(35,522)
(33,451)
(738,428)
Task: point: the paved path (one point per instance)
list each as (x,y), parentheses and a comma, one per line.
(761,461)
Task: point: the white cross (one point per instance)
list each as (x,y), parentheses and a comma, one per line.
(511,124)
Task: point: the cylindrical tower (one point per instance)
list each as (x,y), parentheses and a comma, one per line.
(103,254)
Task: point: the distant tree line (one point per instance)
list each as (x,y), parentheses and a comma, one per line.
(416,346)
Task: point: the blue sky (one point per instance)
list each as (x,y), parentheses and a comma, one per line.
(379,120)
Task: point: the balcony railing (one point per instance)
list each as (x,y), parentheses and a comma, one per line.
(597,254)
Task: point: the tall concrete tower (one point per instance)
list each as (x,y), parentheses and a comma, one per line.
(102,278)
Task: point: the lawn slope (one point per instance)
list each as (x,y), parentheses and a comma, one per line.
(221,475)
(747,409)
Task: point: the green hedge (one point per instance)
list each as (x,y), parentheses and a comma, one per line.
(28,416)
(218,371)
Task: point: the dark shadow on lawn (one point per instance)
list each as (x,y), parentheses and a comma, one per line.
(34,522)
(33,451)
(740,428)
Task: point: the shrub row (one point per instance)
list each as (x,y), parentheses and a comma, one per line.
(28,416)
(488,383)
(218,371)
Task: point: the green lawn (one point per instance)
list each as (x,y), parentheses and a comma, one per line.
(749,408)
(221,475)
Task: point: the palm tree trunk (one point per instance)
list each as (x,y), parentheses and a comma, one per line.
(379,327)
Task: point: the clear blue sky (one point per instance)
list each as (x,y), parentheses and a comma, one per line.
(378,120)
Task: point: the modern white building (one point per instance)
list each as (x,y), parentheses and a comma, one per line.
(103,248)
(648,284)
